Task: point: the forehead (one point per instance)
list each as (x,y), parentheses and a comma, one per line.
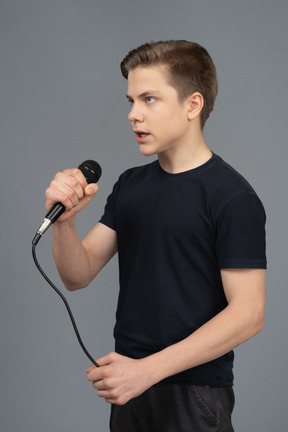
(146,78)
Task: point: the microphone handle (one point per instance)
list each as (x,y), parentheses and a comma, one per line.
(54,213)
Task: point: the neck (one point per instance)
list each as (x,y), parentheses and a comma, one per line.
(185,158)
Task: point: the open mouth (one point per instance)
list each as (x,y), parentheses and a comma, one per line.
(142,135)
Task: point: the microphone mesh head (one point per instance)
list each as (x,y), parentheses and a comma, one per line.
(92,171)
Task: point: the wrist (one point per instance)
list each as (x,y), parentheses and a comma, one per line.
(154,369)
(68,222)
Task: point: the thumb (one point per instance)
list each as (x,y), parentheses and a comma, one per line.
(91,190)
(103,361)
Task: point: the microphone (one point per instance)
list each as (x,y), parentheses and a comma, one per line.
(92,172)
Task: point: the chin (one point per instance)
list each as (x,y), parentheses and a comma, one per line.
(146,151)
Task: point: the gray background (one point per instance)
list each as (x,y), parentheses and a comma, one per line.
(62,100)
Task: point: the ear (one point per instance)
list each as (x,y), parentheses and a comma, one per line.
(195,105)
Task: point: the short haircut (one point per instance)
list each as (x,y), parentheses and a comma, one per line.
(189,69)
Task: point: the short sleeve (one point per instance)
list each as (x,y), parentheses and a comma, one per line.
(108,217)
(240,236)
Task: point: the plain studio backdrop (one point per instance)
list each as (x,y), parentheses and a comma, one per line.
(62,101)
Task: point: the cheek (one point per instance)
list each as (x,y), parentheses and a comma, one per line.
(177,124)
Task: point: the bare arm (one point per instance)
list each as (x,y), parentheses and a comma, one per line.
(239,321)
(122,379)
(77,262)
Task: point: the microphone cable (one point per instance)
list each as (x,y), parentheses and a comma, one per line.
(66,304)
(92,172)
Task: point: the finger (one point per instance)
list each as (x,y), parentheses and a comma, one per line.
(104,394)
(99,385)
(62,194)
(77,173)
(77,189)
(66,187)
(107,359)
(73,179)
(57,195)
(95,374)
(90,368)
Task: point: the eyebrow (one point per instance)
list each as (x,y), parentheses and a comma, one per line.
(144,94)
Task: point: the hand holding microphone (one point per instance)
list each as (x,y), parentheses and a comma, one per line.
(69,191)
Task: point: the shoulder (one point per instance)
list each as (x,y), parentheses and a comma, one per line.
(227,189)
(226,182)
(225,177)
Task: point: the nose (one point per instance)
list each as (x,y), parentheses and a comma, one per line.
(135,114)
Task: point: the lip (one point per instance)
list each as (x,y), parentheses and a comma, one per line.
(141,139)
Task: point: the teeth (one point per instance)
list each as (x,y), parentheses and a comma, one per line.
(143,134)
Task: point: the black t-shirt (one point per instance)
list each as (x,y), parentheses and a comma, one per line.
(175,232)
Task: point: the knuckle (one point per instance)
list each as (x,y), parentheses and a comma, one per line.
(112,356)
(114,394)
(58,175)
(66,201)
(106,373)
(108,383)
(54,183)
(79,175)
(70,193)
(50,192)
(120,400)
(74,182)
(47,193)
(77,171)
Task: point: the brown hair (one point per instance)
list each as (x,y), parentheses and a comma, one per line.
(189,68)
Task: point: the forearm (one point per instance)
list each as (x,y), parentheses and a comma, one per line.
(238,322)
(220,335)
(70,256)
(120,378)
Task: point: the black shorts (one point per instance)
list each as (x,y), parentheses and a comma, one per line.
(169,407)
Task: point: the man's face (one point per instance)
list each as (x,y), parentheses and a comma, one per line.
(158,119)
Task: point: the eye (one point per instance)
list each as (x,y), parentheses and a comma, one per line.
(150,99)
(130,101)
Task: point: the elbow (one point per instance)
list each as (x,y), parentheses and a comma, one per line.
(257,322)
(258,327)
(251,322)
(71,287)
(74,286)
(260,324)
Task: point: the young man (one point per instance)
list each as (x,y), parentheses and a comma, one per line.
(190,236)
